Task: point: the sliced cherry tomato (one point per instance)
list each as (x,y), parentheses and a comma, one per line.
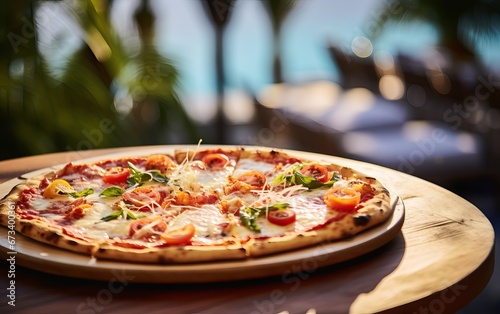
(179,236)
(318,172)
(281,217)
(138,224)
(56,188)
(116,175)
(142,196)
(342,198)
(254,178)
(215,161)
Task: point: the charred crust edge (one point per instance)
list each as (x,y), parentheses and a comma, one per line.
(361,220)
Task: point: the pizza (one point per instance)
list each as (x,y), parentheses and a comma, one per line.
(196,205)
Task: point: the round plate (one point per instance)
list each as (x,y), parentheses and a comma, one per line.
(46,258)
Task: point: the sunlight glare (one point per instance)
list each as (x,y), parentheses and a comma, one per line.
(391,87)
(362,47)
(238,107)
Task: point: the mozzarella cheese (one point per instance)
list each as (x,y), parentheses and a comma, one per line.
(191,177)
(207,219)
(247,164)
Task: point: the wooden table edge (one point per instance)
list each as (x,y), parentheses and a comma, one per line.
(455,297)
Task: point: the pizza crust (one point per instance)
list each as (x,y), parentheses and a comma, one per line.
(173,255)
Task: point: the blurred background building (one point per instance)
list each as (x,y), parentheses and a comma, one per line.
(413,85)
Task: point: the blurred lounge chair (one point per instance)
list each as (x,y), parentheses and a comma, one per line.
(354,71)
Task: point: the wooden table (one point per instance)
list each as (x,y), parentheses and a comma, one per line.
(440,261)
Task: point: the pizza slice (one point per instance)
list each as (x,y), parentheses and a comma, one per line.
(285,203)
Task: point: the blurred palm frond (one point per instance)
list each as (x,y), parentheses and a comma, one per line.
(460,23)
(107,95)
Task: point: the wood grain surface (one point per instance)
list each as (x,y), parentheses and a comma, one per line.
(440,261)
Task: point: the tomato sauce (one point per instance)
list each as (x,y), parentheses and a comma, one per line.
(276,158)
(338,217)
(138,162)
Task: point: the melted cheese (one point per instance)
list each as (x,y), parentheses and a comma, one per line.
(42,204)
(98,229)
(309,213)
(208,221)
(247,164)
(190,177)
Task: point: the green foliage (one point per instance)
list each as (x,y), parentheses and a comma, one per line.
(106,96)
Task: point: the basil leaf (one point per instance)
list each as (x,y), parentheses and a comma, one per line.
(277,206)
(113,215)
(112,191)
(336,177)
(286,177)
(116,214)
(312,183)
(138,177)
(249,215)
(279,179)
(294,176)
(308,182)
(131,216)
(82,193)
(157,176)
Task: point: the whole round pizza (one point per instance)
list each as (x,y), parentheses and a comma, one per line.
(199,205)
